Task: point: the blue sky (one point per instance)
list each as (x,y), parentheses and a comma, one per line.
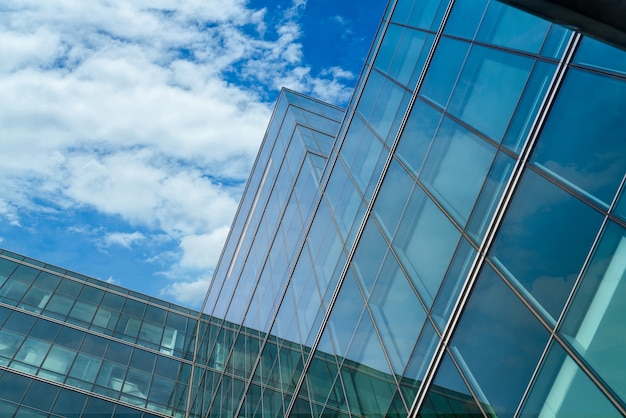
(128,128)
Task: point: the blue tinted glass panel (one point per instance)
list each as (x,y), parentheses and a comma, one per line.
(443,70)
(588,156)
(490,196)
(557,41)
(596,54)
(456,276)
(561,389)
(594,321)
(498,340)
(527,109)
(425,243)
(448,394)
(489,88)
(417,134)
(397,312)
(423,14)
(543,241)
(509,27)
(388,47)
(455,168)
(409,49)
(392,198)
(369,256)
(465,18)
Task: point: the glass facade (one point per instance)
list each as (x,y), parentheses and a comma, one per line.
(451,244)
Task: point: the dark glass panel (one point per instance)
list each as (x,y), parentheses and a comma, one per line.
(543,241)
(40,395)
(13,386)
(498,340)
(587,156)
(69,404)
(448,394)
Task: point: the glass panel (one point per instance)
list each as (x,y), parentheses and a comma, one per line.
(416,370)
(423,14)
(620,207)
(397,312)
(9,343)
(388,47)
(443,70)
(392,197)
(596,54)
(510,27)
(587,156)
(345,315)
(556,42)
(490,196)
(543,241)
(465,17)
(59,360)
(448,395)
(498,340)
(456,276)
(456,167)
(406,57)
(489,88)
(85,368)
(32,352)
(561,389)
(594,322)
(417,134)
(529,104)
(369,256)
(425,243)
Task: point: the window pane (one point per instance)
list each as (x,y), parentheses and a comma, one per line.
(465,17)
(456,167)
(596,54)
(498,343)
(588,156)
(561,389)
(417,134)
(397,313)
(489,88)
(595,320)
(543,241)
(392,198)
(512,28)
(425,243)
(444,70)
(448,394)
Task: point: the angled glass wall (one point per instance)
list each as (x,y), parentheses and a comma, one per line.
(466,232)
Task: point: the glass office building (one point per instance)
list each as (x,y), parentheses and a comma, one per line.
(451,244)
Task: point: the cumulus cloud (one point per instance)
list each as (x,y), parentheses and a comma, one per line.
(149,111)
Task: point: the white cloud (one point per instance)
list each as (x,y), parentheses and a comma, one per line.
(190,292)
(150,111)
(123,239)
